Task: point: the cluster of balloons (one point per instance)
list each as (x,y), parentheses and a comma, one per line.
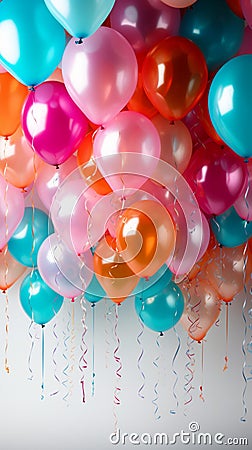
(131,119)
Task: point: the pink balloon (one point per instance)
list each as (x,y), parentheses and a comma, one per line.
(198,134)
(128,133)
(49,179)
(52,122)
(176,142)
(246,45)
(246,6)
(100,74)
(2,69)
(217,176)
(144,22)
(243,205)
(11,210)
(179,3)
(158,192)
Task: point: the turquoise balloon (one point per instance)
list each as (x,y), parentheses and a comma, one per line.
(163,310)
(79,17)
(94,291)
(230,229)
(229,103)
(147,287)
(29,235)
(32,42)
(38,300)
(212,26)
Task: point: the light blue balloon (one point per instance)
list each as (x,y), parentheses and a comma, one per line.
(230,229)
(79,17)
(94,291)
(29,235)
(162,311)
(229,103)
(32,42)
(213,27)
(147,287)
(38,300)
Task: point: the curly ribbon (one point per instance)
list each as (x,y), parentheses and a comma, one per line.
(172,411)
(72,350)
(156,395)
(202,371)
(139,392)
(118,362)
(93,350)
(194,132)
(32,331)
(109,324)
(65,381)
(245,365)
(42,362)
(84,348)
(227,327)
(7,317)
(56,337)
(189,375)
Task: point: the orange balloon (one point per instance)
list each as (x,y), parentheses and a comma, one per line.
(88,167)
(12,97)
(139,102)
(145,237)
(174,76)
(203,114)
(202,308)
(226,270)
(56,75)
(10,269)
(114,275)
(18,162)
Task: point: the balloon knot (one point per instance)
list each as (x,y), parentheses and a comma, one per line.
(80,41)
(57,166)
(92,305)
(43,325)
(246,160)
(4,291)
(31,88)
(6,138)
(161,333)
(72,299)
(172,122)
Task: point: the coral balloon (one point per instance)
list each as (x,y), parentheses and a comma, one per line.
(145,237)
(139,101)
(12,97)
(100,74)
(174,76)
(202,113)
(179,3)
(10,269)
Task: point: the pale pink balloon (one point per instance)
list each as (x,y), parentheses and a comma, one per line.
(49,179)
(179,3)
(243,205)
(11,210)
(176,142)
(128,133)
(246,6)
(100,74)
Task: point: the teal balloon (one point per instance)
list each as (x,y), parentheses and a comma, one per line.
(29,235)
(163,310)
(94,291)
(230,229)
(229,103)
(213,27)
(32,42)
(79,17)
(38,300)
(147,287)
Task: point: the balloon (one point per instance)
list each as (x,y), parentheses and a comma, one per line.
(128,133)
(163,310)
(228,270)
(2,69)
(176,142)
(88,167)
(194,125)
(18,162)
(243,204)
(49,179)
(80,18)
(43,111)
(179,3)
(29,235)
(145,237)
(31,61)
(236,7)
(246,9)
(94,292)
(100,74)
(12,97)
(144,22)
(214,29)
(229,104)
(246,45)
(139,101)
(202,308)
(114,275)
(49,269)
(173,82)
(217,177)
(38,300)
(10,269)
(11,210)
(150,286)
(230,230)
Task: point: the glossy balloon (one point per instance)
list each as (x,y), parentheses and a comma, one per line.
(38,300)
(243,204)
(29,235)
(246,45)
(202,114)
(43,111)
(246,7)
(100,89)
(150,286)
(236,7)
(230,229)
(12,97)
(214,28)
(229,104)
(139,101)
(94,292)
(80,18)
(179,3)
(174,76)
(10,269)
(163,310)
(31,61)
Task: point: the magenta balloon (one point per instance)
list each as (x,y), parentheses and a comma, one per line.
(217,177)
(179,3)
(246,6)
(52,123)
(246,45)
(128,133)
(243,205)
(11,210)
(100,74)
(144,22)
(49,179)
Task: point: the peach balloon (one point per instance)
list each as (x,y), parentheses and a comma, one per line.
(10,269)
(179,3)
(12,97)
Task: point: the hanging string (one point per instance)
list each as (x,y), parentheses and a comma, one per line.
(7,317)
(118,362)
(108,322)
(42,362)
(227,327)
(65,382)
(202,372)
(93,350)
(156,395)
(55,372)
(84,348)
(245,365)
(172,411)
(139,392)
(189,375)
(72,351)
